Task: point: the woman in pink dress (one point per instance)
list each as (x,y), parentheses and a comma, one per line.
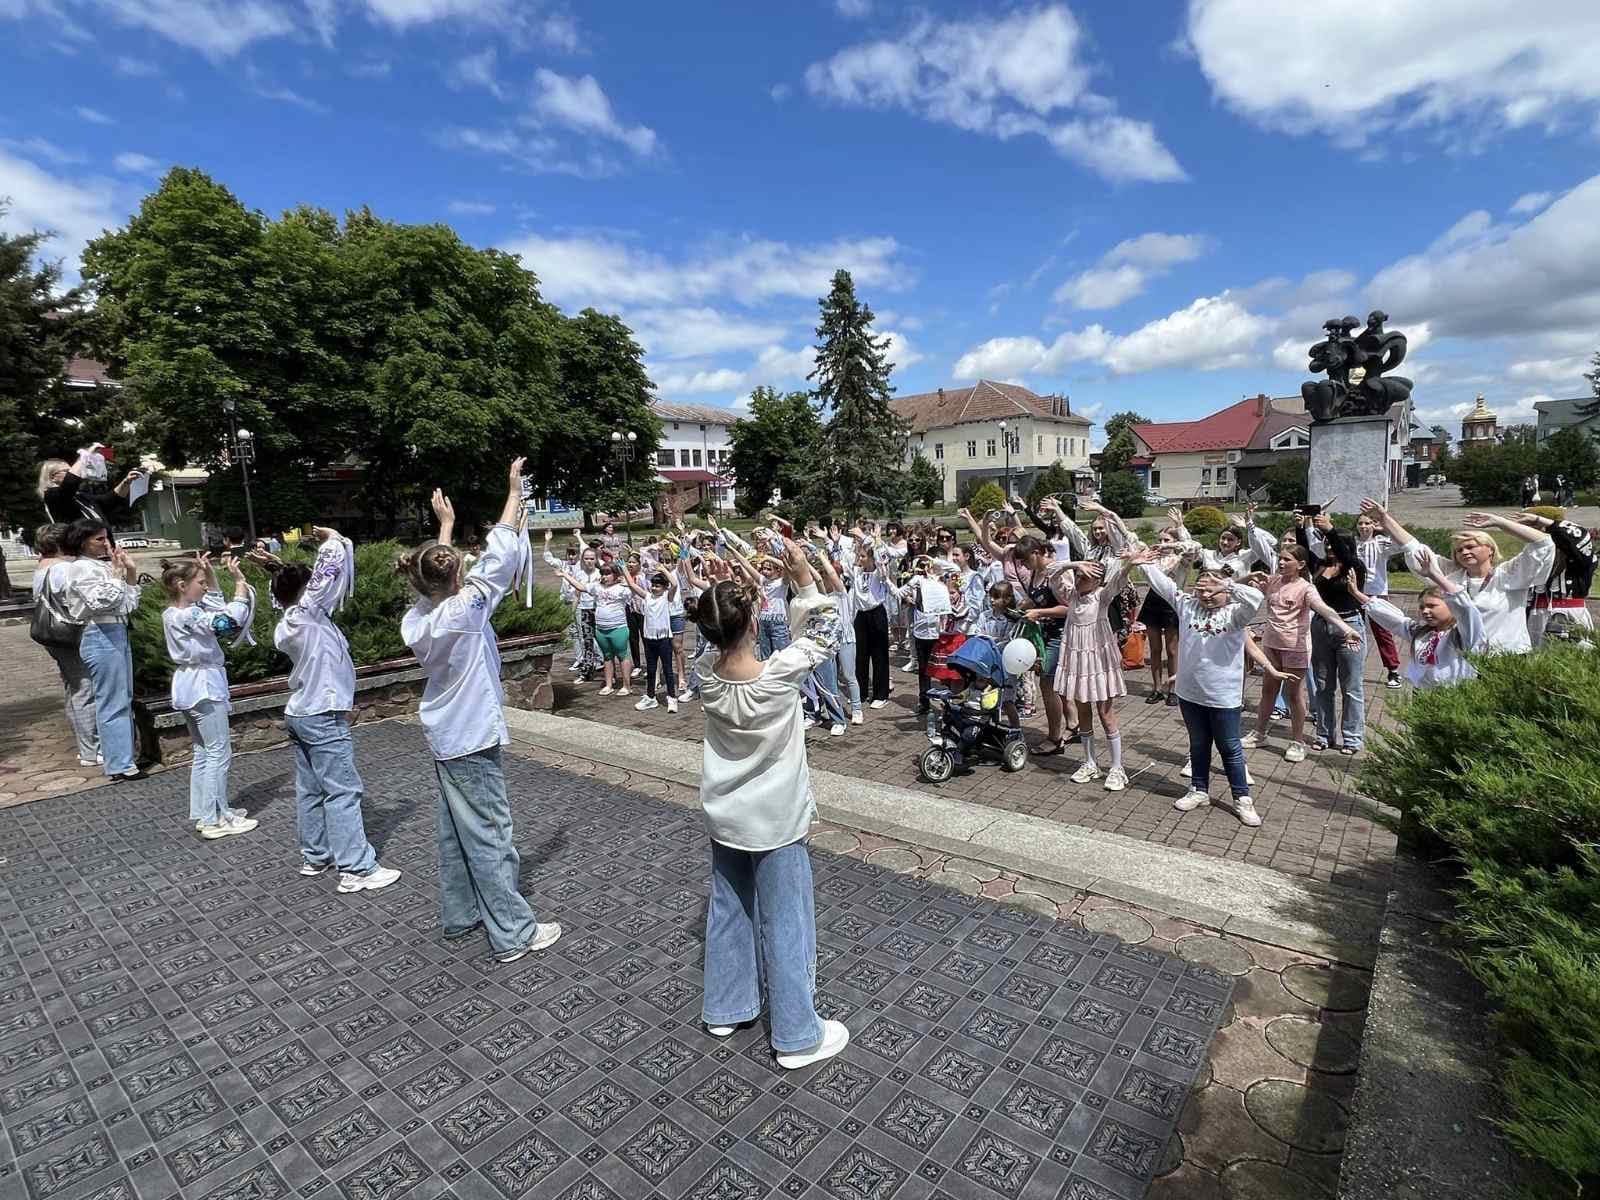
(1090,669)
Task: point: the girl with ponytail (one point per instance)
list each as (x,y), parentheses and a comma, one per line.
(448,630)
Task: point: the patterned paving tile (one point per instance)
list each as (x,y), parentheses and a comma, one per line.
(193,1019)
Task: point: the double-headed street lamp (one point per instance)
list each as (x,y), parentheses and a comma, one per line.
(623,447)
(242,445)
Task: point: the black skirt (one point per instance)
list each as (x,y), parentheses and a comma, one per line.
(1156,613)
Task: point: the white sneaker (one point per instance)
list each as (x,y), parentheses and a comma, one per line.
(837,730)
(1116,779)
(911,665)
(544,935)
(1184,770)
(1191,800)
(608,691)
(1250,740)
(309,869)
(1245,809)
(672,704)
(647,704)
(1249,778)
(720,1031)
(378,877)
(237,814)
(877,704)
(856,718)
(1296,752)
(686,695)
(809,722)
(835,1037)
(638,671)
(227,827)
(98,761)
(622,691)
(1087,773)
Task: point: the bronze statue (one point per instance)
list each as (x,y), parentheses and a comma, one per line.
(1356,368)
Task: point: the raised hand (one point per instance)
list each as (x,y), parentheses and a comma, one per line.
(1250,513)
(1092,571)
(514,475)
(1371,508)
(322,532)
(442,508)
(1175,515)
(1480,520)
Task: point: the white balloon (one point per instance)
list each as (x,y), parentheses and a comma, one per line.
(1019,656)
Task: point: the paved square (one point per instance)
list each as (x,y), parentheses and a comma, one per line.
(191,1018)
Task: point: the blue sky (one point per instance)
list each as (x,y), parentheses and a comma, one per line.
(1144,206)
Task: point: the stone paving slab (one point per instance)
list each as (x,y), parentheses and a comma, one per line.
(194,1018)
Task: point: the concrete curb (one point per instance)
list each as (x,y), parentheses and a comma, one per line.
(1238,898)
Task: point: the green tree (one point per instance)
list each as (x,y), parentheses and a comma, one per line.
(1120,446)
(773,448)
(924,481)
(863,441)
(1123,493)
(1054,480)
(985,499)
(1287,480)
(1493,474)
(1570,452)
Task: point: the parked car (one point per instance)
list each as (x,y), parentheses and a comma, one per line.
(1154,499)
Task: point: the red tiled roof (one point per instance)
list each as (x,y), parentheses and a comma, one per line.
(1283,413)
(985,400)
(1230,429)
(86,372)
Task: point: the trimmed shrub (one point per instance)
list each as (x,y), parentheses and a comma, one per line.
(1204,520)
(1122,493)
(984,499)
(370,619)
(1502,775)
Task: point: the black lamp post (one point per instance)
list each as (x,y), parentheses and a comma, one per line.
(1006,438)
(623,448)
(243,446)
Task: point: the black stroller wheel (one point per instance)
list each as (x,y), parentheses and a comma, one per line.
(937,764)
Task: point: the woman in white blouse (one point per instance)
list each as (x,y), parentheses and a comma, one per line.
(98,589)
(322,686)
(196,620)
(449,631)
(75,680)
(755,787)
(1498,590)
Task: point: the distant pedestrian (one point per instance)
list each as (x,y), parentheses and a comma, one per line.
(99,590)
(75,681)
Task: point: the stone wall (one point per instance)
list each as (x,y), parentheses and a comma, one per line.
(257,720)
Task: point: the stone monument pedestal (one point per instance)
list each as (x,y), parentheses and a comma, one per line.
(1349,461)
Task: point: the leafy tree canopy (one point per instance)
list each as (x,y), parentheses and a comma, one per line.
(774,447)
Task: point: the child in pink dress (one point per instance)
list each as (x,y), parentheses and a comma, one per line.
(1090,670)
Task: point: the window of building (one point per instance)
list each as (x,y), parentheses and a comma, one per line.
(989,447)
(674,424)
(665,458)
(702,429)
(1205,476)
(1155,479)
(1222,474)
(1039,445)
(938,451)
(697,458)
(972,450)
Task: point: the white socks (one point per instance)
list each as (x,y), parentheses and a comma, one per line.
(1088,747)
(1114,740)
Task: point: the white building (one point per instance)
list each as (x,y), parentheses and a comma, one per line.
(964,433)
(694,451)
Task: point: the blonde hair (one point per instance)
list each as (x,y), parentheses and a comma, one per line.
(431,568)
(178,573)
(46,469)
(1474,537)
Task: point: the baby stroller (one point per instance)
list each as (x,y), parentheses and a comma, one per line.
(972,727)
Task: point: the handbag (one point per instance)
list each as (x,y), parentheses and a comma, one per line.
(48,627)
(1133,649)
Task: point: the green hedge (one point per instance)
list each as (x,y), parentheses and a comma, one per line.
(1502,776)
(370,619)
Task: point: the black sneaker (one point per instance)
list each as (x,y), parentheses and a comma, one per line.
(1393,681)
(1172,699)
(1155,698)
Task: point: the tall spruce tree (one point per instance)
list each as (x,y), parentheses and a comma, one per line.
(863,441)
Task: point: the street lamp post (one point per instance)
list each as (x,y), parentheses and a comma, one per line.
(1006,438)
(243,445)
(623,448)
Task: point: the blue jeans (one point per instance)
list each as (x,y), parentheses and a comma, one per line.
(823,690)
(844,657)
(327,794)
(478,865)
(704,656)
(1337,670)
(213,751)
(1206,726)
(104,650)
(761,934)
(772,635)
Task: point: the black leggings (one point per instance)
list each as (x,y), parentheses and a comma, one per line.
(659,651)
(635,636)
(924,653)
(872,653)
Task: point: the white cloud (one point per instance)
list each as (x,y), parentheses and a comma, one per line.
(135,67)
(38,147)
(609,273)
(1531,202)
(900,350)
(519,20)
(1212,333)
(471,208)
(1009,76)
(269,90)
(136,164)
(476,70)
(1489,62)
(780,92)
(73,210)
(679,383)
(1127,267)
(93,115)
(217,29)
(675,333)
(1291,354)
(580,104)
(377,68)
(853,10)
(774,366)
(1542,277)
(1468,229)
(1569,371)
